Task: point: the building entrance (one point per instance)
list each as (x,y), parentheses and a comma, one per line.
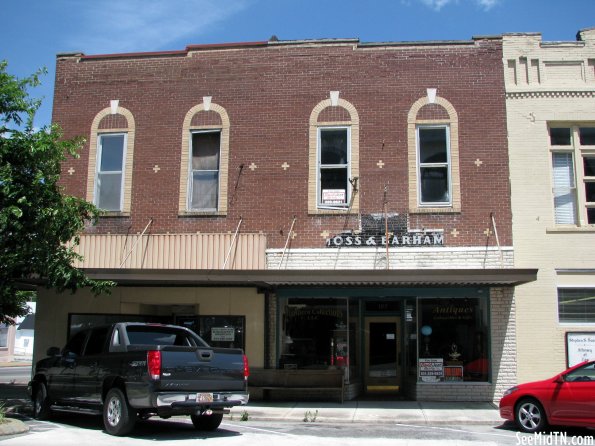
(382,354)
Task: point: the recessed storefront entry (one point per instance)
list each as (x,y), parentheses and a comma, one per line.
(383,353)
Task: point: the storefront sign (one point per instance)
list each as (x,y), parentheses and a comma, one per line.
(453,311)
(404,239)
(580,347)
(431,369)
(223,334)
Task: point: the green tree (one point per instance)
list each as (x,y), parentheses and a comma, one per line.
(36,219)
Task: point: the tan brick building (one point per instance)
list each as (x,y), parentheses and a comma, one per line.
(331,206)
(550,101)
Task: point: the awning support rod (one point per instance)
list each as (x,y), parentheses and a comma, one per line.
(233,240)
(287,241)
(497,240)
(136,241)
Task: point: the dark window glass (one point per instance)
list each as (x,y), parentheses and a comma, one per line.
(333,147)
(434,185)
(576,305)
(96,341)
(76,344)
(453,340)
(333,186)
(432,145)
(587,136)
(205,150)
(560,136)
(590,192)
(591,216)
(589,164)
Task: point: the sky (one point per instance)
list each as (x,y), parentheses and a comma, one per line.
(32,32)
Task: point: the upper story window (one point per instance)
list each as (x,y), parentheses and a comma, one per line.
(573,174)
(433,156)
(111,150)
(205,159)
(334,147)
(433,166)
(333,157)
(576,305)
(109,184)
(204,170)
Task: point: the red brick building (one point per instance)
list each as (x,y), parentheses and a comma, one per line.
(341,205)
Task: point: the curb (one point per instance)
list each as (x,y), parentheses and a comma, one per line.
(11,426)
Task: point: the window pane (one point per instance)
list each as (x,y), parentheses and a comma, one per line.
(589,164)
(590,192)
(333,186)
(560,137)
(205,190)
(591,216)
(587,135)
(205,151)
(576,305)
(112,152)
(434,185)
(564,188)
(432,145)
(333,148)
(109,187)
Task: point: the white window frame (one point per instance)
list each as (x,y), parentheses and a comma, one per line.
(191,176)
(98,171)
(419,165)
(578,152)
(319,203)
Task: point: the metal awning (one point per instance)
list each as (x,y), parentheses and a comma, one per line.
(317,278)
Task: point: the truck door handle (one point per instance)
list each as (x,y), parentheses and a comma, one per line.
(205,354)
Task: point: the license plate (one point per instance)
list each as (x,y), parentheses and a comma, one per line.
(204,397)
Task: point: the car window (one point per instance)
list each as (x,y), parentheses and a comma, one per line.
(96,341)
(76,343)
(582,374)
(147,335)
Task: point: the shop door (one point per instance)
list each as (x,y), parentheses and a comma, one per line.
(383,354)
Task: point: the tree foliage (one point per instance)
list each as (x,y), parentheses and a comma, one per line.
(37,221)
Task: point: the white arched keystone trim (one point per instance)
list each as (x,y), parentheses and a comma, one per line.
(313,148)
(128,162)
(453,123)
(223,158)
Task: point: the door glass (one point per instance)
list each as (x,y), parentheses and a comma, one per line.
(383,350)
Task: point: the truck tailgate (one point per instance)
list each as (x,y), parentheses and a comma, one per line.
(201,369)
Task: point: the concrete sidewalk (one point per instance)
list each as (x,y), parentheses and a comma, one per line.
(370,412)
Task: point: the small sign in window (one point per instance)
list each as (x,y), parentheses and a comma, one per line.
(222,334)
(333,196)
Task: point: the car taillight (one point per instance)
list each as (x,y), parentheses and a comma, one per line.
(246,368)
(154,363)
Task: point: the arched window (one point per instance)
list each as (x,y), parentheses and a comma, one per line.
(205,159)
(111,154)
(333,157)
(433,154)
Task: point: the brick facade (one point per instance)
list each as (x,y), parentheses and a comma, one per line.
(269,92)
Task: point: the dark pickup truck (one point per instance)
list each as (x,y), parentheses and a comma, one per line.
(130,370)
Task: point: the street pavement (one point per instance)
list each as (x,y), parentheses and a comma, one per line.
(417,413)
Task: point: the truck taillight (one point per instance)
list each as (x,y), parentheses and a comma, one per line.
(246,368)
(154,363)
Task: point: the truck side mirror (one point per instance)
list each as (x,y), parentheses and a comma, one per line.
(53,351)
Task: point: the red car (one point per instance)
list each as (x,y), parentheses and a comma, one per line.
(567,399)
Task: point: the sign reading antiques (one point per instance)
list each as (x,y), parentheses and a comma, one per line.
(373,232)
(406,239)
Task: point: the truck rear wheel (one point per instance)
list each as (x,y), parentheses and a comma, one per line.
(207,422)
(118,417)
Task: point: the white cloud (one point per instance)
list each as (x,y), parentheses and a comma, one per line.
(115,26)
(437,5)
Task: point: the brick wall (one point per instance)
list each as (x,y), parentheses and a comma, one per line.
(269,93)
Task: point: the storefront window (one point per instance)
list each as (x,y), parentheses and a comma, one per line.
(453,340)
(314,334)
